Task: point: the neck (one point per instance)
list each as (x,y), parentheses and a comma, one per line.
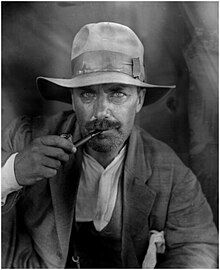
(103,158)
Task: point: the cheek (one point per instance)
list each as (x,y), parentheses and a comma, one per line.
(83,113)
(126,115)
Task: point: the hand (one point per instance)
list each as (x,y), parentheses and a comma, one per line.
(41,159)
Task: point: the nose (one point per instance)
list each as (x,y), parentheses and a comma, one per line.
(102,107)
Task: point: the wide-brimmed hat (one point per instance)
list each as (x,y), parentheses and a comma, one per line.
(103,52)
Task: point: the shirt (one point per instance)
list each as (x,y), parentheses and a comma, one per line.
(8,183)
(98,189)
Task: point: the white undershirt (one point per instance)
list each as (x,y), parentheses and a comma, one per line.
(98,189)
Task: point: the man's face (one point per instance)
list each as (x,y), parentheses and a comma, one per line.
(109,107)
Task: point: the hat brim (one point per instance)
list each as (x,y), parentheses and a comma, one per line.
(58,89)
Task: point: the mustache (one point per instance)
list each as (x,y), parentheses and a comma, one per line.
(102,124)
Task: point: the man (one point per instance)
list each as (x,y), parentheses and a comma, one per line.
(108,202)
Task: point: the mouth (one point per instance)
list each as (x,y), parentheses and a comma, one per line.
(100,134)
(103,133)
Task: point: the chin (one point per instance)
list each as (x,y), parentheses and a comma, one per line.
(105,145)
(101,146)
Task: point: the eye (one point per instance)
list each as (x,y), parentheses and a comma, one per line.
(87,96)
(118,94)
(118,97)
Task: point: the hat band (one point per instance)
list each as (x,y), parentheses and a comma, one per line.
(107,61)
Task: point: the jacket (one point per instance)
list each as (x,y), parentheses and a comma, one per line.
(159,193)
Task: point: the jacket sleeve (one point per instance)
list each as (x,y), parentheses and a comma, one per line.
(17,247)
(14,139)
(190,234)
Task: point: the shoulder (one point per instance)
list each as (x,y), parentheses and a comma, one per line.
(164,163)
(51,125)
(25,128)
(157,151)
(169,176)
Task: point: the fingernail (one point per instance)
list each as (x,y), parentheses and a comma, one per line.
(74,149)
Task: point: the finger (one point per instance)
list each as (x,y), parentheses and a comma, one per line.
(48,172)
(51,163)
(54,152)
(57,141)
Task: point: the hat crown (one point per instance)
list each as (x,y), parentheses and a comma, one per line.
(107,36)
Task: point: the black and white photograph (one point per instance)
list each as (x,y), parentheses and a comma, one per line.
(109,134)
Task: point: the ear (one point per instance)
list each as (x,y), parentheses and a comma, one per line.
(141,96)
(73,103)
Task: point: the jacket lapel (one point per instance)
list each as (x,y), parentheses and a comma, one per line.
(138,200)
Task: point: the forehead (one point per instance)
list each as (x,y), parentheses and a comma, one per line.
(107,87)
